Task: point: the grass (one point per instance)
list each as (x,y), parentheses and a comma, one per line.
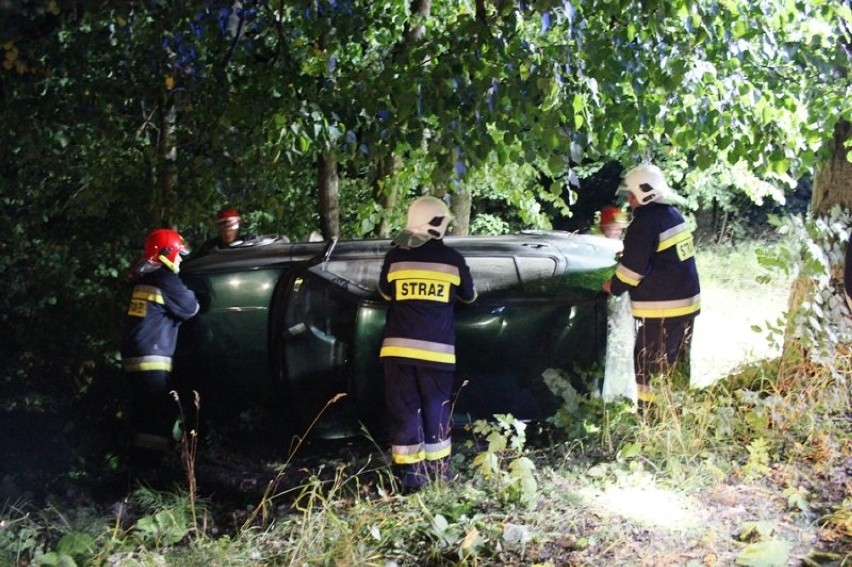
(733,302)
(748,469)
(590,507)
(734,266)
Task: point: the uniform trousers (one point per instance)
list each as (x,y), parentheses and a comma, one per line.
(420,420)
(152,412)
(662,348)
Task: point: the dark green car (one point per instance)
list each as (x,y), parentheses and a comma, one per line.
(288,326)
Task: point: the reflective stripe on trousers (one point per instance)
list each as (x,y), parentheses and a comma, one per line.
(418,350)
(146,363)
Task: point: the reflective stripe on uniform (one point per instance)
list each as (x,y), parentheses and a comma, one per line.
(665,309)
(424,270)
(673,236)
(407,454)
(148,293)
(420,350)
(644,393)
(150,362)
(629,277)
(439,450)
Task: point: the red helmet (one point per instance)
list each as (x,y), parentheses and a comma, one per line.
(614,217)
(163,245)
(228,218)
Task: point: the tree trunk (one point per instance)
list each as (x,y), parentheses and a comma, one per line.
(833,182)
(386,195)
(461,205)
(386,190)
(329,195)
(832,186)
(168,173)
(422,8)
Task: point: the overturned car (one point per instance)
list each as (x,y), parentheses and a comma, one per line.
(289,326)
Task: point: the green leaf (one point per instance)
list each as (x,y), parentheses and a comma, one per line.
(703,159)
(76,543)
(770,553)
(630,450)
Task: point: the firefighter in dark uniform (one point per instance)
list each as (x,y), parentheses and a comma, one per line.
(421,278)
(228,222)
(612,222)
(160,302)
(657,269)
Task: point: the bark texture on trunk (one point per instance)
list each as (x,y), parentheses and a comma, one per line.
(168,172)
(833,182)
(329,195)
(386,190)
(422,8)
(461,205)
(832,187)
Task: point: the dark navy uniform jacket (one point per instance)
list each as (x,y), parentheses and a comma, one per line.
(159,304)
(657,267)
(422,285)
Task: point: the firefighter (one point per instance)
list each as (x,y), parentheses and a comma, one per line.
(657,269)
(619,380)
(847,275)
(422,278)
(160,302)
(228,222)
(612,222)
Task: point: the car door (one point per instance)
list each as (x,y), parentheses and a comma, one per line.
(315,334)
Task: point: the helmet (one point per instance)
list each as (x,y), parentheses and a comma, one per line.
(228,218)
(428,218)
(614,217)
(430,215)
(163,246)
(646,183)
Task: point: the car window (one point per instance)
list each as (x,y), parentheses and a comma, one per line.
(525,275)
(536,273)
(493,276)
(362,273)
(316,307)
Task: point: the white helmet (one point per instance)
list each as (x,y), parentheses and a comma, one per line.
(428,218)
(647,183)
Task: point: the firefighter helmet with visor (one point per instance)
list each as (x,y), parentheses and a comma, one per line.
(228,219)
(612,216)
(646,183)
(428,219)
(164,246)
